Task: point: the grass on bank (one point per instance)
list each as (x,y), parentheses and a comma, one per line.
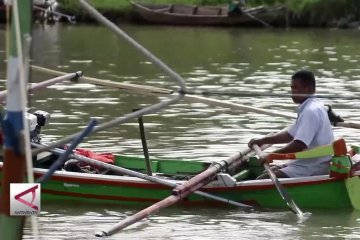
(295,5)
(312,11)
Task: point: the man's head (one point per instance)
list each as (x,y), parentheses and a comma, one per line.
(302,82)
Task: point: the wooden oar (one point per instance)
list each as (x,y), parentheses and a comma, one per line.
(353,185)
(337,148)
(179,193)
(283,193)
(353,188)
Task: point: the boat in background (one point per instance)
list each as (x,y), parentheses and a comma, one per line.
(44,11)
(179,14)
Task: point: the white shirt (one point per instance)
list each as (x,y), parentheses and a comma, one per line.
(313,128)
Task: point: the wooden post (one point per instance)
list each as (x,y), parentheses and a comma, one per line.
(16,133)
(144,145)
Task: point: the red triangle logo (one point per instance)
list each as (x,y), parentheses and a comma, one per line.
(29,204)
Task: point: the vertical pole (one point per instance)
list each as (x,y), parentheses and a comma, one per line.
(287,18)
(14,126)
(144,145)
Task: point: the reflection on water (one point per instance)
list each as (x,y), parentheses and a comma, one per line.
(229,59)
(186,223)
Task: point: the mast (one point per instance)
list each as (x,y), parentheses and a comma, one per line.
(15,128)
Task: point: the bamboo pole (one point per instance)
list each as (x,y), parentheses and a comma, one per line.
(144,145)
(191,97)
(115,29)
(238,106)
(117,121)
(172,199)
(348,124)
(179,193)
(108,83)
(17,155)
(151,109)
(272,113)
(44,84)
(153,179)
(200,92)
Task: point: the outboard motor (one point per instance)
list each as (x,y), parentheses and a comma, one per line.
(37,120)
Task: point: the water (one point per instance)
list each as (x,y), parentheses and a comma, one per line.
(228,59)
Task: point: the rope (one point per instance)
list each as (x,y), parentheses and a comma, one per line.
(220,166)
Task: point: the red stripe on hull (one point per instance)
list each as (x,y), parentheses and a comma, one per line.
(104,182)
(149,185)
(127,199)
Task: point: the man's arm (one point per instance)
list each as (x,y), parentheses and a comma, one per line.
(292,147)
(281,137)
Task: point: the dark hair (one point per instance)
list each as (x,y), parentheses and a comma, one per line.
(306,77)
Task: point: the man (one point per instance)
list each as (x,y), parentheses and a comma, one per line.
(311,129)
(235,7)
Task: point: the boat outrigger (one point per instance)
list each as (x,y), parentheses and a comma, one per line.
(123,179)
(90,177)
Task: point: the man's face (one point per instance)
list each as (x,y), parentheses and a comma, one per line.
(297,87)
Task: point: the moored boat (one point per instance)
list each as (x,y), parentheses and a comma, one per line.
(179,14)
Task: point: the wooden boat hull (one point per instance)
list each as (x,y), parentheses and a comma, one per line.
(307,192)
(205,15)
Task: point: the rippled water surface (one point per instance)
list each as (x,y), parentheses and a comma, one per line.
(223,59)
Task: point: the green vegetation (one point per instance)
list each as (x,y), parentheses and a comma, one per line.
(99,4)
(303,12)
(322,12)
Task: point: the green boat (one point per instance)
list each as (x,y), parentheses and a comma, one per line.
(240,186)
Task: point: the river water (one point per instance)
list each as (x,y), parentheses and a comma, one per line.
(224,59)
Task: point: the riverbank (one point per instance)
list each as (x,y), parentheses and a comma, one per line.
(301,13)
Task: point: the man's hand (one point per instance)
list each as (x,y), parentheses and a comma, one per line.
(263,158)
(255,141)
